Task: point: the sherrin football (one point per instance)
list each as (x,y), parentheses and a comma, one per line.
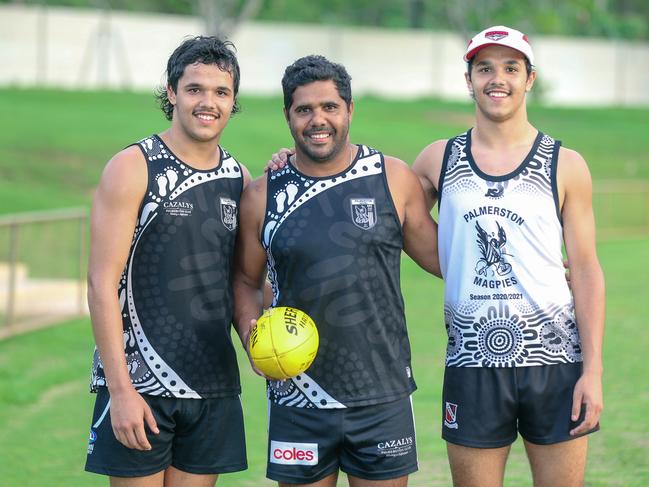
(284,342)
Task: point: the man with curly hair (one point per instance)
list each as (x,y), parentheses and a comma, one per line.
(163,228)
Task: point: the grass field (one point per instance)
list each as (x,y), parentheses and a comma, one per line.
(53,146)
(45,408)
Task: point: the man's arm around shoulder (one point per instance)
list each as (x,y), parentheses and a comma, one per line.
(419,228)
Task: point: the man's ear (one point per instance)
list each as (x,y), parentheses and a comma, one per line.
(530,80)
(469,85)
(171,96)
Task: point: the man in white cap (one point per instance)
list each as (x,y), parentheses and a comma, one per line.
(522,355)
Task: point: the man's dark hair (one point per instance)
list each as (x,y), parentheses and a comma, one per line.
(528,66)
(204,50)
(315,68)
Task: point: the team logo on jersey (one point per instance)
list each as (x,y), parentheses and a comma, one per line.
(495,192)
(363,212)
(496,35)
(229,213)
(492,249)
(450,415)
(178,208)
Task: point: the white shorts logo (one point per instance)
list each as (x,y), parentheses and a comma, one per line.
(293,453)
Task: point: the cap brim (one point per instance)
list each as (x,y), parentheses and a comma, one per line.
(475,50)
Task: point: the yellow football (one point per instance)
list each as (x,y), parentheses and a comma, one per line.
(284,342)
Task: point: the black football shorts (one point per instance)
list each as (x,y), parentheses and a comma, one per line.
(485,407)
(374,442)
(199,436)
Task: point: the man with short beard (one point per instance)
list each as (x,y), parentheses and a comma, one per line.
(330,228)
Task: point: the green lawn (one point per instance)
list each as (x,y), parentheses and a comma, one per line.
(53,146)
(45,408)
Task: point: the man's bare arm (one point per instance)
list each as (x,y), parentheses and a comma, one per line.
(250,261)
(428,166)
(587,282)
(112,224)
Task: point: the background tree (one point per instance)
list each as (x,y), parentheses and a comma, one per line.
(624,19)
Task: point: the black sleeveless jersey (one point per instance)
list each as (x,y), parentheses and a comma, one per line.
(175,293)
(334,247)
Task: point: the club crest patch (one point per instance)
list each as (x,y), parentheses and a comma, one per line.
(91,441)
(229,213)
(450,415)
(363,212)
(496,35)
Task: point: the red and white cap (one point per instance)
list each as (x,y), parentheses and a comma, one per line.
(499,35)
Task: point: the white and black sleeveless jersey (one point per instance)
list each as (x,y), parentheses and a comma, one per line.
(507,303)
(175,293)
(334,248)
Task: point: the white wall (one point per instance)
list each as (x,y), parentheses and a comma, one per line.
(70,48)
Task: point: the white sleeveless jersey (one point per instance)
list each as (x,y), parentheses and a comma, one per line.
(506,303)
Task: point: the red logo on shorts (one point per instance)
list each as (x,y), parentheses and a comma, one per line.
(293,453)
(450,415)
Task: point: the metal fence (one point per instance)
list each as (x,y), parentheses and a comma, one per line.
(42,268)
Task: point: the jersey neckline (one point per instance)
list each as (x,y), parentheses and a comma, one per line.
(515,172)
(215,168)
(338,174)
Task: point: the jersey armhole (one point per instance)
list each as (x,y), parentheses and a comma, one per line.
(148,176)
(266,213)
(389,193)
(553,179)
(442,173)
(225,153)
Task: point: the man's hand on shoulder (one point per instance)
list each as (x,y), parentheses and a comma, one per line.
(279,159)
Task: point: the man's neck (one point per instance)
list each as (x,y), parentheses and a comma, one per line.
(338,164)
(199,155)
(512,132)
